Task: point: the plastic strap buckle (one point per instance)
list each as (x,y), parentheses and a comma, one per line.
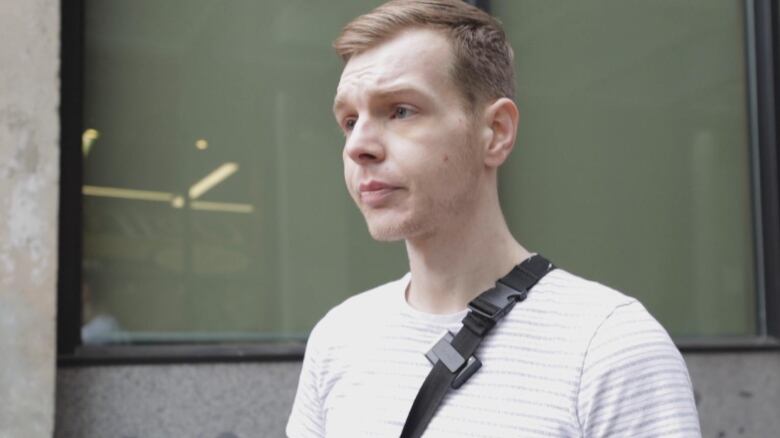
(462,368)
(494,303)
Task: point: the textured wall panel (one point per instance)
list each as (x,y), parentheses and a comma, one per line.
(162,401)
(738,394)
(29,168)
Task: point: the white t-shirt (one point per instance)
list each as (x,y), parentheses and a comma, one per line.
(575,359)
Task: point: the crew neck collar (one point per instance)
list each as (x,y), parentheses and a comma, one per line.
(438,318)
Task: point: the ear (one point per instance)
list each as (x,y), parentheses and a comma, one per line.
(501,119)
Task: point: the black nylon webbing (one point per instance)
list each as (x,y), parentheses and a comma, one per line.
(475,327)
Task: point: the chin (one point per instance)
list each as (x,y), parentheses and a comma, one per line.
(386,230)
(386,233)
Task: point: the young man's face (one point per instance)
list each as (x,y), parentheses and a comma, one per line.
(411,162)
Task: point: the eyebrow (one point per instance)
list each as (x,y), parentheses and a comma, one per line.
(338,103)
(383,93)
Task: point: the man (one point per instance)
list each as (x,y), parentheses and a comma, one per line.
(425,103)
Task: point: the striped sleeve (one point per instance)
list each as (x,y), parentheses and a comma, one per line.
(634,381)
(307,419)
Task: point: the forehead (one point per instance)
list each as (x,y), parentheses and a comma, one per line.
(417,58)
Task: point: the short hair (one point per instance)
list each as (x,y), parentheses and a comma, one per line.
(483,65)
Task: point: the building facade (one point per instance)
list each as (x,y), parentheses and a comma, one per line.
(173,219)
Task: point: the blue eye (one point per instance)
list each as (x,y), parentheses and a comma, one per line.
(349,124)
(401,112)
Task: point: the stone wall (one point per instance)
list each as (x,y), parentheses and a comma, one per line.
(29,167)
(160,401)
(737,394)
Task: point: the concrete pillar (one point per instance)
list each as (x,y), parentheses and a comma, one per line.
(29,171)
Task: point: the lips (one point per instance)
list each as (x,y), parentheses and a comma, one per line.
(376,193)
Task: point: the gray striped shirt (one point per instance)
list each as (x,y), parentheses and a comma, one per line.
(575,359)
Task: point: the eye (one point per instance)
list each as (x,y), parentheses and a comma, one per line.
(402,112)
(349,123)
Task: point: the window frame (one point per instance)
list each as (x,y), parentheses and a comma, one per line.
(763,74)
(767,79)
(70,349)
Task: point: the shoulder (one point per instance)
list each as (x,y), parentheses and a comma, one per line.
(565,284)
(596,309)
(334,342)
(585,316)
(360,310)
(632,378)
(576,299)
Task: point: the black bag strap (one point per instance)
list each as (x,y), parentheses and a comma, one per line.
(453,355)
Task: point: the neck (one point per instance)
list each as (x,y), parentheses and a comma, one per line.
(460,260)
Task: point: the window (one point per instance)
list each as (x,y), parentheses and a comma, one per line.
(634,154)
(205,202)
(214,208)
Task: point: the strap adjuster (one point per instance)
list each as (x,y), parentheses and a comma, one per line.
(462,368)
(494,303)
(450,368)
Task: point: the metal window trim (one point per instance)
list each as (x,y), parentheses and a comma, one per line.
(762,35)
(70,212)
(725,344)
(180,354)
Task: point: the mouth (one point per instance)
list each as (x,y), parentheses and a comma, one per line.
(376,193)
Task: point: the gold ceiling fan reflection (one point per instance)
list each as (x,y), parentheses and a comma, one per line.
(177,201)
(208,182)
(116,192)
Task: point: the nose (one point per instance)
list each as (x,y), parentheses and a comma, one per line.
(364,144)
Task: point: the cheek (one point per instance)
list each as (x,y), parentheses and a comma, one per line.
(349,171)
